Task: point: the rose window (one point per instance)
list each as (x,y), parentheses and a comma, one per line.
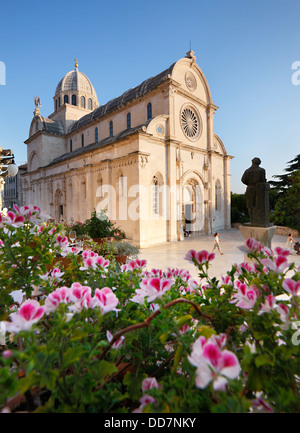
(190,123)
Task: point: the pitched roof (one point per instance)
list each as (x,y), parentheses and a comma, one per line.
(114,104)
(106,141)
(52,126)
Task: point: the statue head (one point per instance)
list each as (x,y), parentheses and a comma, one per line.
(256,161)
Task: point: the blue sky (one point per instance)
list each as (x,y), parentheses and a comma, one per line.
(245,48)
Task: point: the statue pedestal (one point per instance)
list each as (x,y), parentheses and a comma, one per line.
(263,235)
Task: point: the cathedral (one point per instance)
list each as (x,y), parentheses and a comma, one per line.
(150,158)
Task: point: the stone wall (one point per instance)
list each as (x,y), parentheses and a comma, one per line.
(280,230)
(286,231)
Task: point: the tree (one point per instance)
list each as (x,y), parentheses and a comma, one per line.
(239,212)
(287,205)
(283,183)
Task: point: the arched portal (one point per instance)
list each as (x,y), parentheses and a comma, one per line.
(193,205)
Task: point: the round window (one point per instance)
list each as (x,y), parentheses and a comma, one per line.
(160,129)
(190,123)
(190,81)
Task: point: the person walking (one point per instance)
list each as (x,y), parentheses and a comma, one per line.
(217,243)
(290,241)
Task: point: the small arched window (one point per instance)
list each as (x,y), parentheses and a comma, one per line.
(71,145)
(59,101)
(90,104)
(111,128)
(74,100)
(128,120)
(96,135)
(82,101)
(149,111)
(82,140)
(66,99)
(55,104)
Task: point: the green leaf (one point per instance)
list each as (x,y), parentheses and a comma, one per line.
(183,320)
(264,359)
(106,369)
(28,382)
(177,357)
(71,355)
(133,384)
(49,379)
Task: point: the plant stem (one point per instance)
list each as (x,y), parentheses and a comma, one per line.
(148,321)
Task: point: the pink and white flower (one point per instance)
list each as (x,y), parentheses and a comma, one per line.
(149,383)
(29,313)
(134,264)
(245,297)
(281,251)
(105,299)
(118,343)
(94,261)
(283,311)
(81,296)
(213,364)
(268,305)
(199,257)
(277,264)
(62,241)
(14,220)
(60,295)
(152,288)
(291,286)
(253,244)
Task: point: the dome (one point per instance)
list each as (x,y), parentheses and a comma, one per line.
(76,89)
(75,80)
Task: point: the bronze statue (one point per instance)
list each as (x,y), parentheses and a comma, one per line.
(37,102)
(257,194)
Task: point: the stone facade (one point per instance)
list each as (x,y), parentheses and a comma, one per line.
(149,157)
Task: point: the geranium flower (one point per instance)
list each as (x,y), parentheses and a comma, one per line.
(213,364)
(81,296)
(200,257)
(291,286)
(149,383)
(60,295)
(253,244)
(245,297)
(14,220)
(134,264)
(92,260)
(29,313)
(277,264)
(281,251)
(118,343)
(152,288)
(62,241)
(268,305)
(105,299)
(283,311)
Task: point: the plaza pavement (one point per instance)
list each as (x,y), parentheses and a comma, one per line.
(172,254)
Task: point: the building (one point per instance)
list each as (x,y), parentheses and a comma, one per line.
(150,157)
(12,189)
